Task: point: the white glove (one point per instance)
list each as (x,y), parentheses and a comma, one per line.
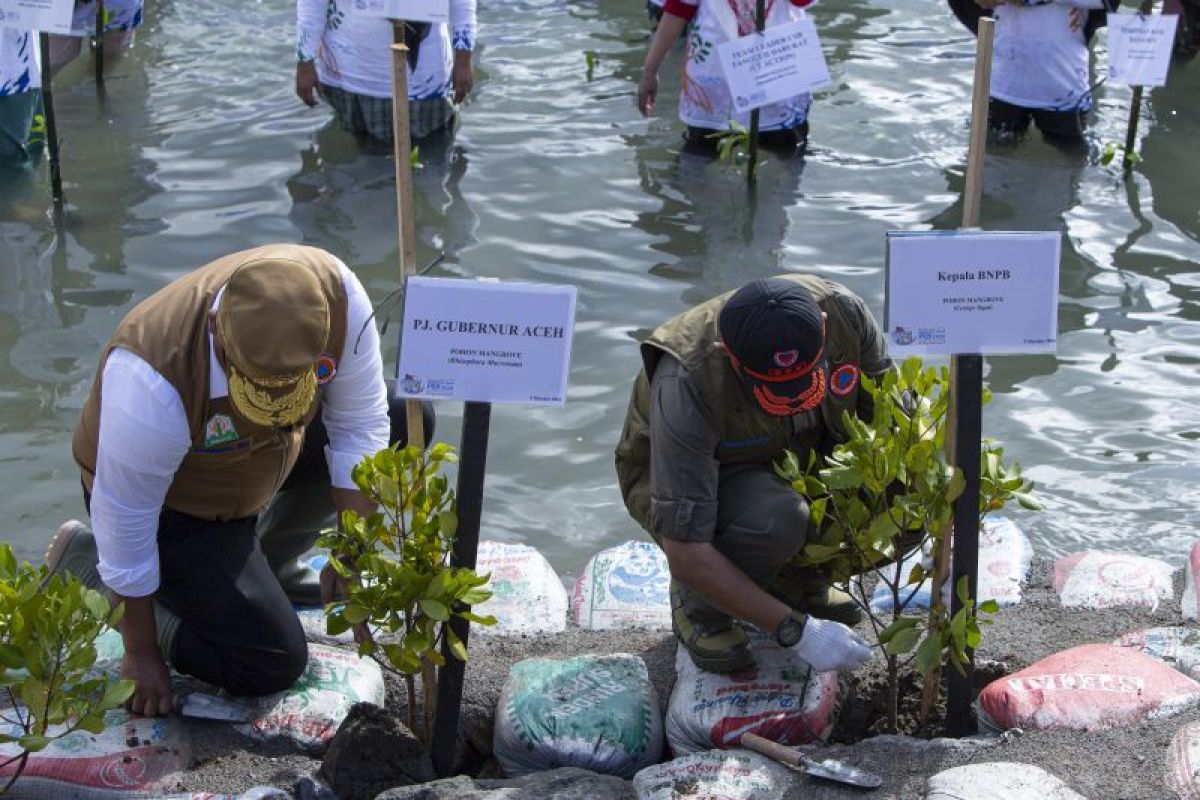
(827,645)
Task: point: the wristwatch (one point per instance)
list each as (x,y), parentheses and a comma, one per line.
(789,630)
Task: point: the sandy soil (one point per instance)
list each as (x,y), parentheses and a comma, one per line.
(1113,765)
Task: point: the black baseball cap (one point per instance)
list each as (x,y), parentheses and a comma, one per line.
(774,332)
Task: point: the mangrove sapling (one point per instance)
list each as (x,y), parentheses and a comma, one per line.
(49,625)
(886,491)
(732,143)
(395,563)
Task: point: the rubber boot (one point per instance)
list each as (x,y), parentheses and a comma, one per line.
(287,530)
(73,550)
(810,591)
(710,637)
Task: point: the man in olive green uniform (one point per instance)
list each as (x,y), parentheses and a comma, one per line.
(227,413)
(727,387)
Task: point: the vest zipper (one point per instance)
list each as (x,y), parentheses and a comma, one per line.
(283,453)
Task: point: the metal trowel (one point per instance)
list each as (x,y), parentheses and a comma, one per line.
(828,769)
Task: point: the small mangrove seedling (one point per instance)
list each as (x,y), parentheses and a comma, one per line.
(49,625)
(414,157)
(1111,149)
(400,587)
(591,59)
(733,143)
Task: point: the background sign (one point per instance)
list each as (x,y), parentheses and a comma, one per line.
(414,10)
(486,341)
(959,292)
(1139,48)
(51,16)
(771,66)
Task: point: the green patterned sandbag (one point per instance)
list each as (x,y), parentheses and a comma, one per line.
(594,712)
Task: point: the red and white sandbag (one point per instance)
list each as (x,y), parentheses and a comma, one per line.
(132,757)
(716,775)
(1183,763)
(781,698)
(1176,647)
(1191,608)
(623,587)
(1096,579)
(306,715)
(999,780)
(527,594)
(1092,687)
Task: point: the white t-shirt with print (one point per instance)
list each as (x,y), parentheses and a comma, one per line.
(20,69)
(354,51)
(1037,60)
(119,15)
(704,99)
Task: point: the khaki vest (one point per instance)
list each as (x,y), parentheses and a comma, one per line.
(748,435)
(234,466)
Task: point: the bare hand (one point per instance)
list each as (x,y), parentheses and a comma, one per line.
(307,82)
(647,92)
(152,697)
(333,588)
(462,76)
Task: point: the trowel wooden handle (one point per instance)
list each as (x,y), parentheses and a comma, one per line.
(774,750)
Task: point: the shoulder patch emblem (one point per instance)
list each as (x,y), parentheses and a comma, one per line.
(326,368)
(844,379)
(219,430)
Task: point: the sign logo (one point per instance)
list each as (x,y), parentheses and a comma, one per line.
(786,358)
(844,380)
(902,335)
(219,430)
(412,384)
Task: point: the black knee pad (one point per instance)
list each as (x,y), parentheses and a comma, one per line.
(399,417)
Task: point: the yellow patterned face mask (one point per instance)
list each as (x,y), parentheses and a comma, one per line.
(272,402)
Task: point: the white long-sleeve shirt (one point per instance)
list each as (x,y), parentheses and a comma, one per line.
(144,437)
(1039,61)
(353,51)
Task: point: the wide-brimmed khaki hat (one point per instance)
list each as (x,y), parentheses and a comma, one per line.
(273,323)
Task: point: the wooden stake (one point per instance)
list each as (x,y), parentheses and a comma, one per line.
(963,420)
(56,190)
(100,44)
(760,21)
(1135,107)
(402,149)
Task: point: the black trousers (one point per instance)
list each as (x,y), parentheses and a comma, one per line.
(1004,117)
(784,141)
(238,629)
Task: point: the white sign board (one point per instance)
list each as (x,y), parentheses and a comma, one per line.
(1139,48)
(409,10)
(959,292)
(781,62)
(50,16)
(486,341)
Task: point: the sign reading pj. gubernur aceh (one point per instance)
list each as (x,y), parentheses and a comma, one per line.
(960,292)
(486,341)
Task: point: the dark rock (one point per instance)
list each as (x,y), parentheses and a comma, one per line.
(565,783)
(311,787)
(372,751)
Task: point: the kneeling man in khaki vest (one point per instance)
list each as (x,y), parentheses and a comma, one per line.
(727,387)
(217,441)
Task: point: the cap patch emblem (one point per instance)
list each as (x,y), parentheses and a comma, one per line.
(786,358)
(844,380)
(219,430)
(326,368)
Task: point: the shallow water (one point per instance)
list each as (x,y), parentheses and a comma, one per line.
(199,148)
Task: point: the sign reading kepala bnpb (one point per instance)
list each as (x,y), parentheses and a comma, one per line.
(962,292)
(486,341)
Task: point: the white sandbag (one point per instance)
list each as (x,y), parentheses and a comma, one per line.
(133,756)
(594,712)
(313,620)
(998,780)
(716,775)
(780,699)
(253,793)
(1190,588)
(1183,763)
(306,715)
(627,586)
(527,594)
(1005,555)
(1176,647)
(1095,579)
(1091,687)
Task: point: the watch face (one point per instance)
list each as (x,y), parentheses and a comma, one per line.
(789,632)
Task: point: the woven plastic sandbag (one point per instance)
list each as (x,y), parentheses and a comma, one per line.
(594,712)
(1095,579)
(781,698)
(623,587)
(527,594)
(716,775)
